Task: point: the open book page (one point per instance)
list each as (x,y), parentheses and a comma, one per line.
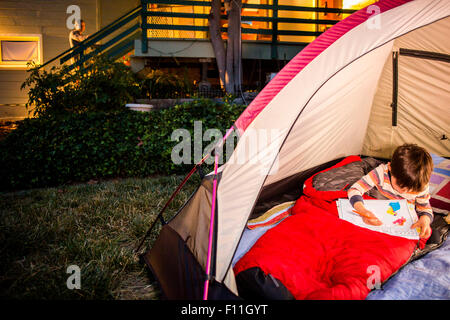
(397,216)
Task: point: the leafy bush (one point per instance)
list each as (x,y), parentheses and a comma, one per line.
(159,85)
(105,86)
(76,147)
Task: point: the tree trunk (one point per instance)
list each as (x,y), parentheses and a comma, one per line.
(229,61)
(234,46)
(216,39)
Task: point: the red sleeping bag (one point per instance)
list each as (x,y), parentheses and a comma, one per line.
(316,255)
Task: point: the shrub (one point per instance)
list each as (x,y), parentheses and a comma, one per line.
(105,86)
(159,85)
(78,147)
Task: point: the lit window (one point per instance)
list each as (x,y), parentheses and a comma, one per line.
(17,50)
(356,4)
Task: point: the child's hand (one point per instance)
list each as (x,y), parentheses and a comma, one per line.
(424,224)
(369,218)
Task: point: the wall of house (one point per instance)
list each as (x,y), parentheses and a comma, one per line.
(48,19)
(110,10)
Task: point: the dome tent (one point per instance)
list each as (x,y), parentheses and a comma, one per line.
(373,81)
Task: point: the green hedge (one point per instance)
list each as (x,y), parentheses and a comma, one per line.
(107,85)
(50,151)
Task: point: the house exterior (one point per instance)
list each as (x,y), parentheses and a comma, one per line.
(38,30)
(171,35)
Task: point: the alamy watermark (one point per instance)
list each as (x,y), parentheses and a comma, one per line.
(75,16)
(74,280)
(257,146)
(374,279)
(374,21)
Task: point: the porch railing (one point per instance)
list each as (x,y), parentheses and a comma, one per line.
(118,38)
(185,19)
(274,23)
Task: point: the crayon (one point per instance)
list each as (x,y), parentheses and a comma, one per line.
(363,215)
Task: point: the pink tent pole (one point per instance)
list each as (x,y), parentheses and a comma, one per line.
(211,226)
(213,209)
(229,131)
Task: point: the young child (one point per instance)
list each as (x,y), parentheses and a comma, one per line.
(407,177)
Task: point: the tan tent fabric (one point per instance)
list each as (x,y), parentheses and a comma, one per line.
(192,222)
(423,97)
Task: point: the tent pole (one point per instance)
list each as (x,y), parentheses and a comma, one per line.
(211,225)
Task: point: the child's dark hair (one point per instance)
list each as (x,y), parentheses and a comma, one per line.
(411,166)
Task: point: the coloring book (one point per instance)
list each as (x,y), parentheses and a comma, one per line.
(397,216)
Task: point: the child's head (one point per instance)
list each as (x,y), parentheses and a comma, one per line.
(411,167)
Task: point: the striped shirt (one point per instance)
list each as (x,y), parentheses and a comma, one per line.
(381,179)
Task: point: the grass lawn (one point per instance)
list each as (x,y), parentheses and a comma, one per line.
(95,226)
